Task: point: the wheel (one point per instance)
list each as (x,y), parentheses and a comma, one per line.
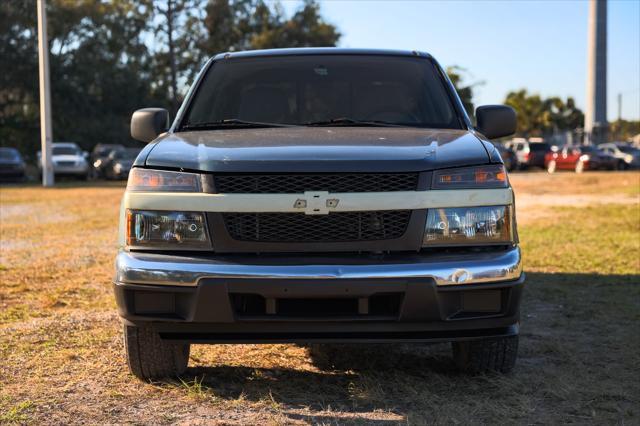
(579,166)
(621,165)
(149,357)
(551,167)
(494,354)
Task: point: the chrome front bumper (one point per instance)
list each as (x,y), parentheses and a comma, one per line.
(445,269)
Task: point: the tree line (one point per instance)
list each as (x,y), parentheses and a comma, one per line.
(108,58)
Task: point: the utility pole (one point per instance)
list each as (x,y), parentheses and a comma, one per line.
(595,118)
(45,95)
(619,107)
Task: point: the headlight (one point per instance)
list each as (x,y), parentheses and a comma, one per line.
(162,180)
(167,230)
(469,226)
(492,176)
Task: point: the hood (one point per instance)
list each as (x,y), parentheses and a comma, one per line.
(316,149)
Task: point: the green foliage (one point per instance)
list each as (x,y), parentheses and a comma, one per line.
(538,116)
(465,92)
(622,130)
(111,57)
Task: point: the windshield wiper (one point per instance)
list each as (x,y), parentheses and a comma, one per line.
(341,121)
(230,122)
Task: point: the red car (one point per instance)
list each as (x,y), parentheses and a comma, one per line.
(579,159)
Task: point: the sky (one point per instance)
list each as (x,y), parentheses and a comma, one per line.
(540,45)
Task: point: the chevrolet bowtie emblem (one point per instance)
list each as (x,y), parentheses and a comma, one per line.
(316,202)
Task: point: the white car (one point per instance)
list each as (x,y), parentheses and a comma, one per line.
(68,159)
(624,152)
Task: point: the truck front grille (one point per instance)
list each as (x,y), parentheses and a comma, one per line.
(299,183)
(334,227)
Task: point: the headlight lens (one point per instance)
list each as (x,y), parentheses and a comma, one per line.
(492,176)
(468,226)
(167,230)
(162,180)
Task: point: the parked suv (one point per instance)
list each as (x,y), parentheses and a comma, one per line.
(68,160)
(530,153)
(319,195)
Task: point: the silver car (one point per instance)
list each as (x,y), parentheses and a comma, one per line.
(68,159)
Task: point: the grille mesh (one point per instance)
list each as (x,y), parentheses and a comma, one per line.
(298,183)
(334,227)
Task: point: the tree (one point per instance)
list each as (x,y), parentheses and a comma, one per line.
(624,130)
(109,58)
(465,92)
(176,59)
(539,117)
(252,24)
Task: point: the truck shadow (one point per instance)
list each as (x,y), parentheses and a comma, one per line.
(561,316)
(347,378)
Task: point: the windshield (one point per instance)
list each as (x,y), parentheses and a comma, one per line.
(302,90)
(8,154)
(64,150)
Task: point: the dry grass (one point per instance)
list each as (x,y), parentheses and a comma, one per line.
(62,360)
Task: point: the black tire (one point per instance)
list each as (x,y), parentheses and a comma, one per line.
(486,355)
(149,357)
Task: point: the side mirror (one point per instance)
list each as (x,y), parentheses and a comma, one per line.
(148,123)
(496,121)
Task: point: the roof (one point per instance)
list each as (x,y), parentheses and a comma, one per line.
(318,51)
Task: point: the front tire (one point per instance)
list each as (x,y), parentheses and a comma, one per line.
(486,355)
(150,357)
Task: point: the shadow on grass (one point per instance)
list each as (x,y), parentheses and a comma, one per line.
(358,379)
(561,315)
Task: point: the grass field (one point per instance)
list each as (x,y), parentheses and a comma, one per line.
(62,361)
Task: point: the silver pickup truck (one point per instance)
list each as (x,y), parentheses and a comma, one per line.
(319,196)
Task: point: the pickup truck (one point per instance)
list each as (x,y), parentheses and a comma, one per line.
(314,196)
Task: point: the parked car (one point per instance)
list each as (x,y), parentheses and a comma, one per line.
(623,152)
(529,154)
(68,160)
(100,158)
(12,166)
(319,195)
(119,163)
(508,156)
(581,158)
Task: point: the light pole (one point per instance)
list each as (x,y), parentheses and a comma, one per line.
(595,117)
(45,95)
